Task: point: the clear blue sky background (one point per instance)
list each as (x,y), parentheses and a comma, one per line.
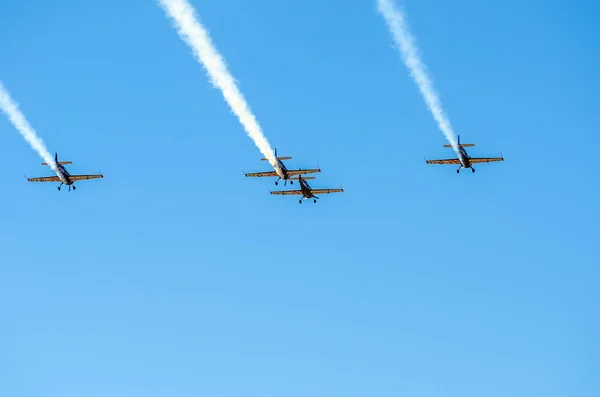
(177,276)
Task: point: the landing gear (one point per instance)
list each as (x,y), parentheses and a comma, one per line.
(60,185)
(315,201)
(458,170)
(472,169)
(276,183)
(300,201)
(59,188)
(74,187)
(291,182)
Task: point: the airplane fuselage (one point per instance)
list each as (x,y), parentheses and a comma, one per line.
(63,175)
(306,190)
(282,171)
(463,157)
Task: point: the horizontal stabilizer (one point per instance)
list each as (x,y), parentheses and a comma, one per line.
(462,145)
(279,158)
(60,162)
(304,177)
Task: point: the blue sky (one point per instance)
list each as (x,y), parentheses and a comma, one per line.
(175,275)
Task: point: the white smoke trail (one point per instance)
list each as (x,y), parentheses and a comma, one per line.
(196,36)
(11,108)
(396,22)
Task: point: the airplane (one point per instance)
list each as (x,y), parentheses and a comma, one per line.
(306,191)
(63,176)
(281,171)
(464,159)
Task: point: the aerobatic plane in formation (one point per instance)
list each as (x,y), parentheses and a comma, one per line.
(463,159)
(306,191)
(63,176)
(281,171)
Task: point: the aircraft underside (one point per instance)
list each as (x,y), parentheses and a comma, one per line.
(68,184)
(285,180)
(308,198)
(471,167)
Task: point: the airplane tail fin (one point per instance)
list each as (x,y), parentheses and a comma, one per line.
(278,158)
(58,162)
(461,144)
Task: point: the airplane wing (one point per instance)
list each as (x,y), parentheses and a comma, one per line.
(262,174)
(84,177)
(286,192)
(326,191)
(301,172)
(476,160)
(444,161)
(45,179)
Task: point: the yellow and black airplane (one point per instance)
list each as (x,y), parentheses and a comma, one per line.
(281,171)
(306,191)
(63,176)
(463,159)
